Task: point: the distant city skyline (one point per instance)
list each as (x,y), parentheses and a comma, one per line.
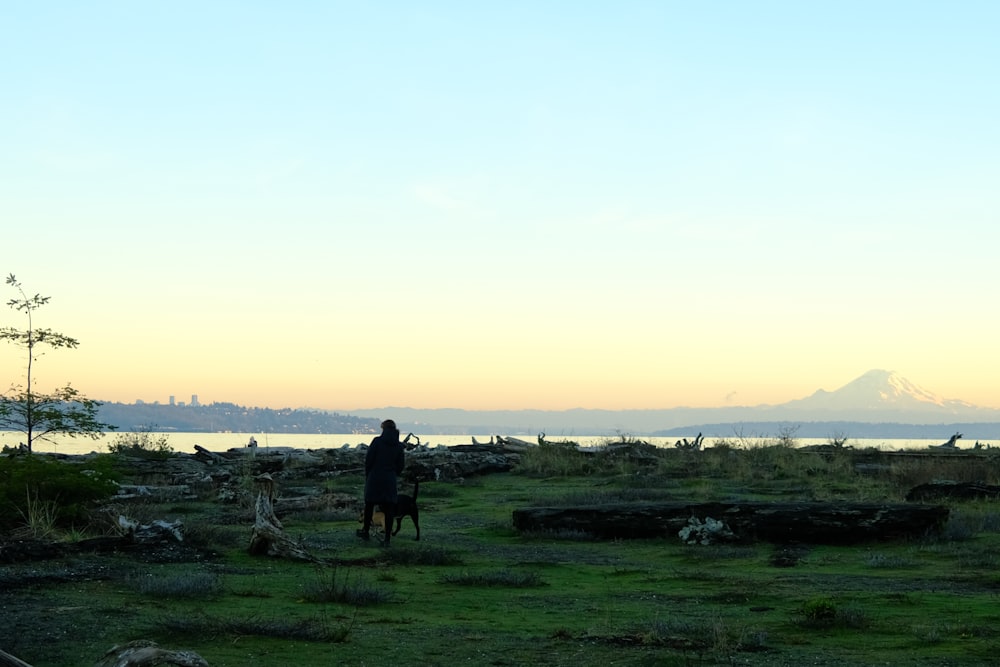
(630,205)
(171,400)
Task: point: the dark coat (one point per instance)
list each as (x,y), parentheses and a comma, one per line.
(383,462)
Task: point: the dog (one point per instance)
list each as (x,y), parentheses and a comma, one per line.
(406,506)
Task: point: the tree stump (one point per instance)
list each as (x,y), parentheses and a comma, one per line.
(268,537)
(779,522)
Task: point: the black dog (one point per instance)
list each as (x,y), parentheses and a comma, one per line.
(407,506)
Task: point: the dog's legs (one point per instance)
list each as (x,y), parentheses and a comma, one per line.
(366,527)
(416,510)
(388,509)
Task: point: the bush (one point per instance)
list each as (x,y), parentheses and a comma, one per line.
(143,444)
(36,487)
(200,625)
(329,587)
(187,585)
(818,611)
(501,578)
(422,555)
(822,612)
(552,459)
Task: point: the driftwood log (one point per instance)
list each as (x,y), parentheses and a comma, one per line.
(7,660)
(144,653)
(140,653)
(779,522)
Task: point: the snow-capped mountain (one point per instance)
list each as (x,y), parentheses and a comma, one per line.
(881,391)
(877,397)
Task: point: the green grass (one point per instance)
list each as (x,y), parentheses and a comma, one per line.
(474,591)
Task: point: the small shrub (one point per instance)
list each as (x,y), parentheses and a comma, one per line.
(852,617)
(192,585)
(823,613)
(880,560)
(909,473)
(329,587)
(603,497)
(818,612)
(752,641)
(422,555)
(254,626)
(45,493)
(838,440)
(500,578)
(928,634)
(437,491)
(680,634)
(143,444)
(960,527)
(786,436)
(716,552)
(251,592)
(39,515)
(552,459)
(565,534)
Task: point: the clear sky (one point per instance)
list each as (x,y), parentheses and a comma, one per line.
(542,205)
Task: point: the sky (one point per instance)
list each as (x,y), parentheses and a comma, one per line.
(520,205)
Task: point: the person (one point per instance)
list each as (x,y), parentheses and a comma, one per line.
(383,463)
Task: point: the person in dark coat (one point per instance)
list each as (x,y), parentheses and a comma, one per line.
(383,463)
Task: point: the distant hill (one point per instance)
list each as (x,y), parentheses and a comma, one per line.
(228,417)
(875,399)
(878,404)
(839,429)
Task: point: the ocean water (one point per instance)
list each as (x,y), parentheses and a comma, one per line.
(220,442)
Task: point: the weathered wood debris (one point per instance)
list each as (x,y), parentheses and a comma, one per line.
(192,475)
(780,522)
(8,660)
(139,653)
(145,653)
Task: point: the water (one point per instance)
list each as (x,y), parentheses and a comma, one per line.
(220,442)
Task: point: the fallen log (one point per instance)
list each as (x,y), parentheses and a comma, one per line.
(513,444)
(211,456)
(779,522)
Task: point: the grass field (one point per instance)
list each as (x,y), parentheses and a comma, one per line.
(474,591)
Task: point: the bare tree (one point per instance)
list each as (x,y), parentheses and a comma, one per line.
(39,415)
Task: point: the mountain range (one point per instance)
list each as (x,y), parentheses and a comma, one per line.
(876,397)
